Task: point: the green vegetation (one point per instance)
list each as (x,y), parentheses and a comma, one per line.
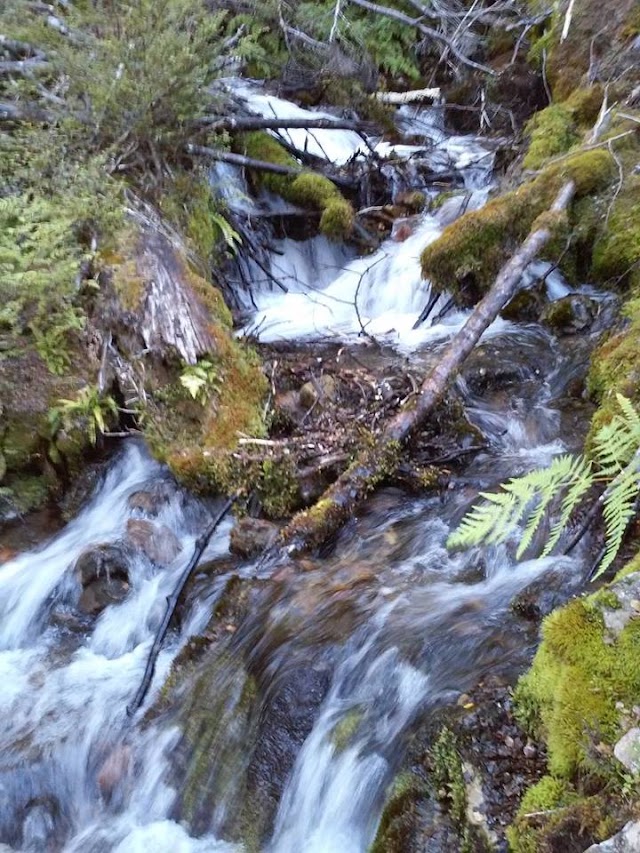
(552,132)
(89,412)
(466,258)
(306,189)
(571,698)
(399,814)
(200,379)
(526,500)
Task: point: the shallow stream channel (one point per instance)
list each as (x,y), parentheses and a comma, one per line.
(285,698)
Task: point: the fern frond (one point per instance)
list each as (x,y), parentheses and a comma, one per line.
(582,476)
(616,442)
(483,521)
(484,524)
(619,509)
(631,417)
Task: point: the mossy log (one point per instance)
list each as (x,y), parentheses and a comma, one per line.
(310,528)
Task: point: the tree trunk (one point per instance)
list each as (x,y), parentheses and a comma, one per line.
(310,528)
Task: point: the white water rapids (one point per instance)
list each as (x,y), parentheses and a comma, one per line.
(64,693)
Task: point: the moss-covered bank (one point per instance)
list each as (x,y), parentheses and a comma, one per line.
(466,258)
(577,698)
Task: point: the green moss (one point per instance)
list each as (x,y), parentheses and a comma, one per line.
(606,598)
(630,568)
(337,218)
(552,132)
(558,314)
(399,814)
(615,369)
(617,253)
(468,255)
(553,816)
(29,492)
(278,488)
(448,776)
(306,189)
(345,729)
(569,695)
(584,105)
(548,793)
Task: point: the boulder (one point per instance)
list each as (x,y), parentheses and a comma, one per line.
(571,314)
(149,502)
(627,751)
(252,536)
(157,541)
(104,576)
(626,841)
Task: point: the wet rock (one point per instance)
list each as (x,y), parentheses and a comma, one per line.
(113,770)
(622,605)
(252,536)
(148,503)
(546,593)
(39,826)
(526,306)
(452,209)
(571,314)
(159,543)
(403,229)
(287,718)
(322,390)
(288,410)
(627,750)
(626,841)
(104,576)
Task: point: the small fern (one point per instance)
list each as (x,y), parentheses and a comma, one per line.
(526,501)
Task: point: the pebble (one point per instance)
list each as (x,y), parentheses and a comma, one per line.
(529,751)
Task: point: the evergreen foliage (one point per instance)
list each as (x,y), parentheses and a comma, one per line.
(528,500)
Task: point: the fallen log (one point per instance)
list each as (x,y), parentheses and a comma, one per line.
(415,96)
(11,112)
(172,603)
(258,165)
(312,527)
(241,160)
(249,123)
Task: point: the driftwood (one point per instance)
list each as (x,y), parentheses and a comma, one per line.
(415,96)
(172,602)
(310,528)
(241,160)
(248,123)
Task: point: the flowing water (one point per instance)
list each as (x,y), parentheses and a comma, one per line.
(313,689)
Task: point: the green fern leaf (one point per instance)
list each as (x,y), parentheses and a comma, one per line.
(619,509)
(582,475)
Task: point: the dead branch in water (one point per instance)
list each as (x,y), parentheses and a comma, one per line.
(172,602)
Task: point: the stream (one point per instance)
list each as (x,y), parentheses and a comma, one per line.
(293,714)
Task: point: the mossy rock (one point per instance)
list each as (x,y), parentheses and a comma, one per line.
(616,254)
(400,817)
(468,255)
(307,189)
(552,132)
(568,697)
(557,128)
